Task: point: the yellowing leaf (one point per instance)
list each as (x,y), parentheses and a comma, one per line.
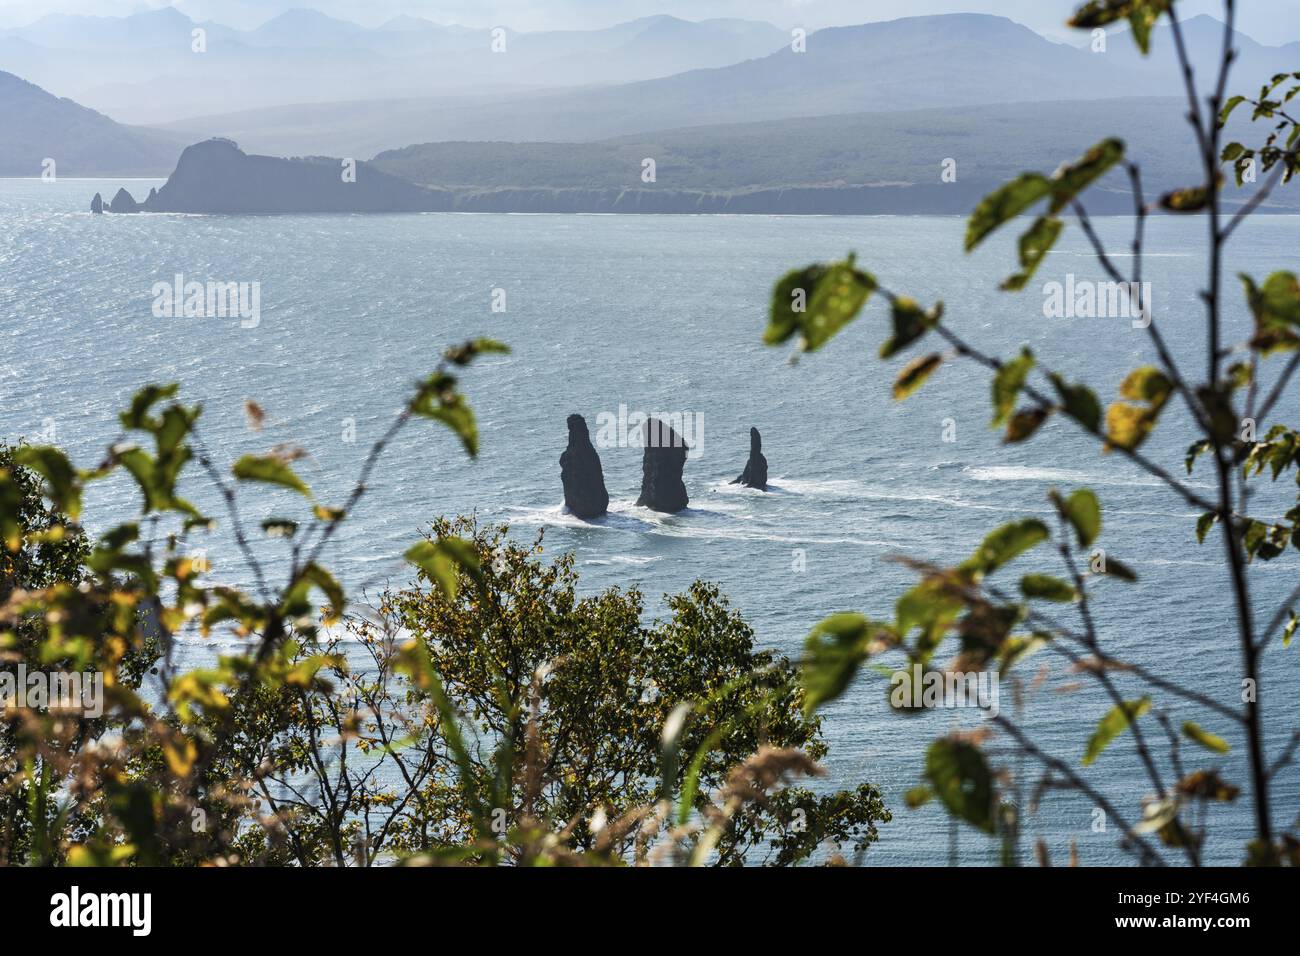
(913,376)
(1206,739)
(1115,722)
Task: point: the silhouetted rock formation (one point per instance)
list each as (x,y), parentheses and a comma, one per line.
(123,202)
(216,176)
(755,473)
(662,488)
(584,482)
(97,205)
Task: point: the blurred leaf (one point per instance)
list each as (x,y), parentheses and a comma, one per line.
(465,353)
(1276,307)
(315,575)
(1191,199)
(1047,588)
(138,415)
(1206,739)
(670,743)
(443,558)
(961,779)
(1203,525)
(1007,382)
(270,470)
(438,399)
(1069,181)
(913,376)
(60,477)
(1006,543)
(1083,511)
(1079,402)
(1004,204)
(1033,247)
(918,797)
(1017,647)
(1195,450)
(910,322)
(279,527)
(1024,423)
(1128,426)
(1115,722)
(1116,568)
(833,652)
(818,302)
(1231,104)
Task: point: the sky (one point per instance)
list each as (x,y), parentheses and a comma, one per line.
(1269,21)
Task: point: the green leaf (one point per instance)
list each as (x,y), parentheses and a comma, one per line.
(1206,739)
(465,353)
(1190,199)
(1115,722)
(913,376)
(1289,631)
(1195,450)
(1004,204)
(1079,402)
(1232,151)
(313,575)
(1232,103)
(818,302)
(1033,247)
(443,558)
(1142,16)
(138,415)
(1047,588)
(961,779)
(910,322)
(1006,543)
(918,797)
(60,477)
(1083,511)
(1115,568)
(438,399)
(1203,525)
(1008,381)
(1069,181)
(833,652)
(1017,647)
(270,470)
(1276,307)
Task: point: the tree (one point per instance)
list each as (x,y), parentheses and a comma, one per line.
(587,689)
(994,626)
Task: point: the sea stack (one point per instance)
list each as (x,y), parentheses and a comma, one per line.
(662,488)
(97,205)
(755,473)
(123,202)
(584,482)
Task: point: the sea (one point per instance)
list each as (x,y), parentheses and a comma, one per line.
(665,314)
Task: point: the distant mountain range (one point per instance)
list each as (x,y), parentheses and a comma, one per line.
(913,63)
(37,125)
(143,68)
(858,123)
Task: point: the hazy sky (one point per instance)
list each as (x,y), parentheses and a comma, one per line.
(1269,21)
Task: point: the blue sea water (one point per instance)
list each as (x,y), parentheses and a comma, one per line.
(664,314)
